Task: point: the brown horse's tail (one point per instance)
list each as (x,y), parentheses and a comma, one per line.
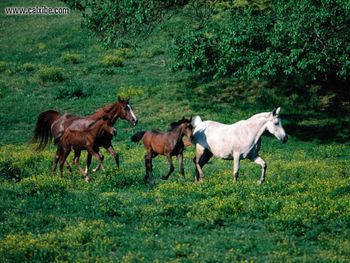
(137,136)
(42,132)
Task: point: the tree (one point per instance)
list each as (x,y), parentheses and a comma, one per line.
(123,23)
(297,42)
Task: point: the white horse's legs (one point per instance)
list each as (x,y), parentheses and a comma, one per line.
(199,153)
(262,163)
(236,160)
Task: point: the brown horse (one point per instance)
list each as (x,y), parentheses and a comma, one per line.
(52,124)
(168,144)
(81,140)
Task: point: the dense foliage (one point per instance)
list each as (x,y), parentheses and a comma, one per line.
(122,23)
(289,44)
(297,42)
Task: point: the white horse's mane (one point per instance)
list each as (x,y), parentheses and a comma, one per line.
(259,115)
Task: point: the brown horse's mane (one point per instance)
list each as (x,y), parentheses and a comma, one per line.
(102,111)
(106,109)
(176,124)
(173,126)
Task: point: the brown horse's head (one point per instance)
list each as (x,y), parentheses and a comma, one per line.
(125,111)
(184,125)
(120,109)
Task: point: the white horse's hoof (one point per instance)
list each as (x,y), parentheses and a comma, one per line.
(260,182)
(87,179)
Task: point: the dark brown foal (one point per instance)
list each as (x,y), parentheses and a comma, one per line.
(168,144)
(81,140)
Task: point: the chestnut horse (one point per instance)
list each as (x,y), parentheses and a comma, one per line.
(168,144)
(81,140)
(52,124)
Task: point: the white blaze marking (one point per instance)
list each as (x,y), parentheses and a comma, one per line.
(132,113)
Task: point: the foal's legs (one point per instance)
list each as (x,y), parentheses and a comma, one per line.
(115,155)
(97,156)
(148,165)
(112,152)
(63,159)
(98,167)
(180,159)
(87,167)
(262,163)
(69,169)
(92,152)
(76,163)
(55,161)
(171,167)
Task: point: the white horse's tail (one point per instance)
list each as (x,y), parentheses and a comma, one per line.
(196,121)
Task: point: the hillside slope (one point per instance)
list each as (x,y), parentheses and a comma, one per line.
(48,62)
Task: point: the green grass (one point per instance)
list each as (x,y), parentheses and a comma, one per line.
(301,214)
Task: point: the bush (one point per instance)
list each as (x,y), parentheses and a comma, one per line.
(122,23)
(51,74)
(276,44)
(74,90)
(113,60)
(72,58)
(29,67)
(3,66)
(123,52)
(10,171)
(130,92)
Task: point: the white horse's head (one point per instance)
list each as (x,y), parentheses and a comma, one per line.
(274,126)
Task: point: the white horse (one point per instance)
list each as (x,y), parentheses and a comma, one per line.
(237,141)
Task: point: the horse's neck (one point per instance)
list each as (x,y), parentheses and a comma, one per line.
(178,133)
(95,130)
(256,127)
(97,115)
(110,110)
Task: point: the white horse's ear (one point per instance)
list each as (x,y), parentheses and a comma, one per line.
(276,111)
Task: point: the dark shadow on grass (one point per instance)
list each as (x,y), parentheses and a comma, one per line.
(319,127)
(309,124)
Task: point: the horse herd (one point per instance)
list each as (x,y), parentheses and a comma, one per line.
(235,142)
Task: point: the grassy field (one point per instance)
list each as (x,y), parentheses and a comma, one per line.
(301,214)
